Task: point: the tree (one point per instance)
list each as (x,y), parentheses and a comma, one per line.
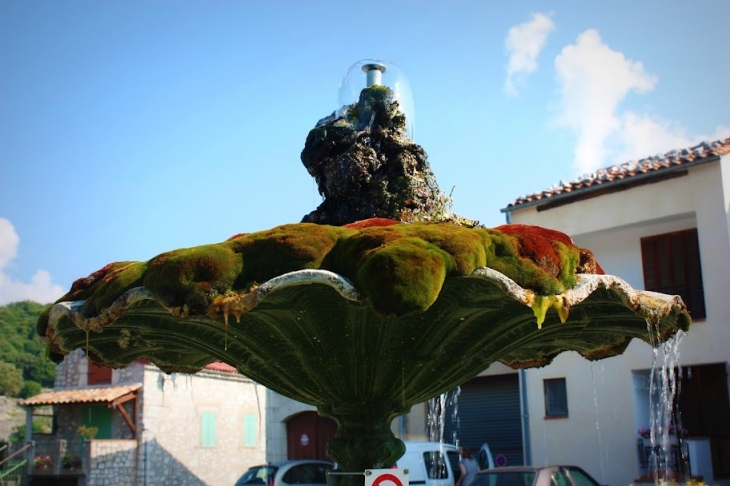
(11,379)
(20,344)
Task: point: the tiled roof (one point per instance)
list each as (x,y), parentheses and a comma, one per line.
(83,395)
(218,366)
(626,172)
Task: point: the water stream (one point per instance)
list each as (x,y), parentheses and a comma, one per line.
(599,439)
(668,454)
(438,417)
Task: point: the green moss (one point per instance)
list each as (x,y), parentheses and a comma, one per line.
(401,268)
(378,89)
(467,247)
(193,276)
(268,254)
(114,284)
(405,276)
(570,259)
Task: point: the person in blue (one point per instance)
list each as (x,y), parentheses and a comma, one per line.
(468,466)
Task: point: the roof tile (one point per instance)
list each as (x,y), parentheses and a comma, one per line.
(83,395)
(628,170)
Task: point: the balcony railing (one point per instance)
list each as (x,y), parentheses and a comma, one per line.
(59,457)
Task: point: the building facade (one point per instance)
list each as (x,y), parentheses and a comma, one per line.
(139,426)
(662,224)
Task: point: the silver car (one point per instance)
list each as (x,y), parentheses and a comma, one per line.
(534,476)
(305,472)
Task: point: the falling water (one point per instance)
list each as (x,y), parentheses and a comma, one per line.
(598,425)
(665,421)
(437,421)
(438,408)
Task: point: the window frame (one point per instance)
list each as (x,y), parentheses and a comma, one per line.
(549,386)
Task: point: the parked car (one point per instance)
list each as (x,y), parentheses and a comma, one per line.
(300,471)
(534,476)
(434,463)
(484,458)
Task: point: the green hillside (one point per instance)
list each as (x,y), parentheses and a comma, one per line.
(24,366)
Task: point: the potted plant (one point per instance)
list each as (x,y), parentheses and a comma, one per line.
(87,432)
(71,461)
(43,461)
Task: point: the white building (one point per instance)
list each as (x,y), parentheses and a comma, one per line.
(662,223)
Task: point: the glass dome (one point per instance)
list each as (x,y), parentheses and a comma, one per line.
(368,72)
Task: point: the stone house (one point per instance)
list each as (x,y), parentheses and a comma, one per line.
(663,224)
(157,429)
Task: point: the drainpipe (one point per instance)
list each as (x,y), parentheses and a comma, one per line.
(524,411)
(526,445)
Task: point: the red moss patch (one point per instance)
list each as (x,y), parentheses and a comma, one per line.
(368,223)
(237,235)
(538,244)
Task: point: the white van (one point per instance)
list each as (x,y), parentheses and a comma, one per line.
(436,464)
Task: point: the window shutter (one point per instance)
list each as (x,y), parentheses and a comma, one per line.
(250,430)
(207,429)
(671,265)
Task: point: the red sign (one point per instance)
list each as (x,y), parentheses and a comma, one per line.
(386,477)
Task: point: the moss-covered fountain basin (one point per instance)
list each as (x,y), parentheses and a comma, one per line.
(362,320)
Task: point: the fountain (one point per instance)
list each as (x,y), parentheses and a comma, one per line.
(380,299)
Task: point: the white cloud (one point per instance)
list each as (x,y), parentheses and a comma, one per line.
(523,44)
(642,136)
(40,289)
(593,80)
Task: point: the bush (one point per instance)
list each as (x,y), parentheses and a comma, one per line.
(30,389)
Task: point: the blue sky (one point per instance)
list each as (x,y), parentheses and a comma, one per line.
(129,128)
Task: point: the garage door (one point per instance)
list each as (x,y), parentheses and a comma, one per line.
(489,411)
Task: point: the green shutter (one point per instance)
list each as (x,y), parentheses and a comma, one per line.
(250,430)
(207,429)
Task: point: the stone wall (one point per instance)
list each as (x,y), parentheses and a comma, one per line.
(112,463)
(73,372)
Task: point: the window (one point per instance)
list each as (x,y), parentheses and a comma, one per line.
(580,478)
(307,474)
(207,429)
(556,398)
(250,430)
(671,265)
(98,375)
(435,465)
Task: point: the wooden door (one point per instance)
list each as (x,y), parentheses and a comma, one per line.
(308,435)
(705,409)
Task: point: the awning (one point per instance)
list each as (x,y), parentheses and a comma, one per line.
(109,395)
(112,396)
